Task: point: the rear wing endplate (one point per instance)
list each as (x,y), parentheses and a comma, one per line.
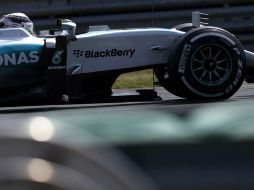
(199,19)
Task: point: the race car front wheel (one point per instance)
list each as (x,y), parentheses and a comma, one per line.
(208,63)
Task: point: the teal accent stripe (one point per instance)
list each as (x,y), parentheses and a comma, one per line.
(19,48)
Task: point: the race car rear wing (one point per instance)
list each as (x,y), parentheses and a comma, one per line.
(199,19)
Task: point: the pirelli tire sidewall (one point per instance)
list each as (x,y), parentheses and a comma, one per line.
(230,45)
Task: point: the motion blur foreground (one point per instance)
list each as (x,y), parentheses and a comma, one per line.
(74,149)
(128,150)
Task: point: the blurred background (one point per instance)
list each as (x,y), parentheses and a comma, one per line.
(237,16)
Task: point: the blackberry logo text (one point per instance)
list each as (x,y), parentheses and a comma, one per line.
(89,54)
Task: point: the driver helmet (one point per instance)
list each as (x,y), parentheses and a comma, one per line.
(17,20)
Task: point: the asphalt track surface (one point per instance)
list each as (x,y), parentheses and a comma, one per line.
(168,103)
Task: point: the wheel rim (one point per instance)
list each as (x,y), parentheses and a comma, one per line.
(211,64)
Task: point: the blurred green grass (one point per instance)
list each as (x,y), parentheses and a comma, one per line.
(138,79)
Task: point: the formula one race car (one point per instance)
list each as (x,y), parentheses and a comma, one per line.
(190,60)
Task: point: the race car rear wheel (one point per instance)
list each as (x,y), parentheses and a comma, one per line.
(168,82)
(162,73)
(208,63)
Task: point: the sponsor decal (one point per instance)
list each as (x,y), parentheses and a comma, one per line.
(57,58)
(90,54)
(18,58)
(56,67)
